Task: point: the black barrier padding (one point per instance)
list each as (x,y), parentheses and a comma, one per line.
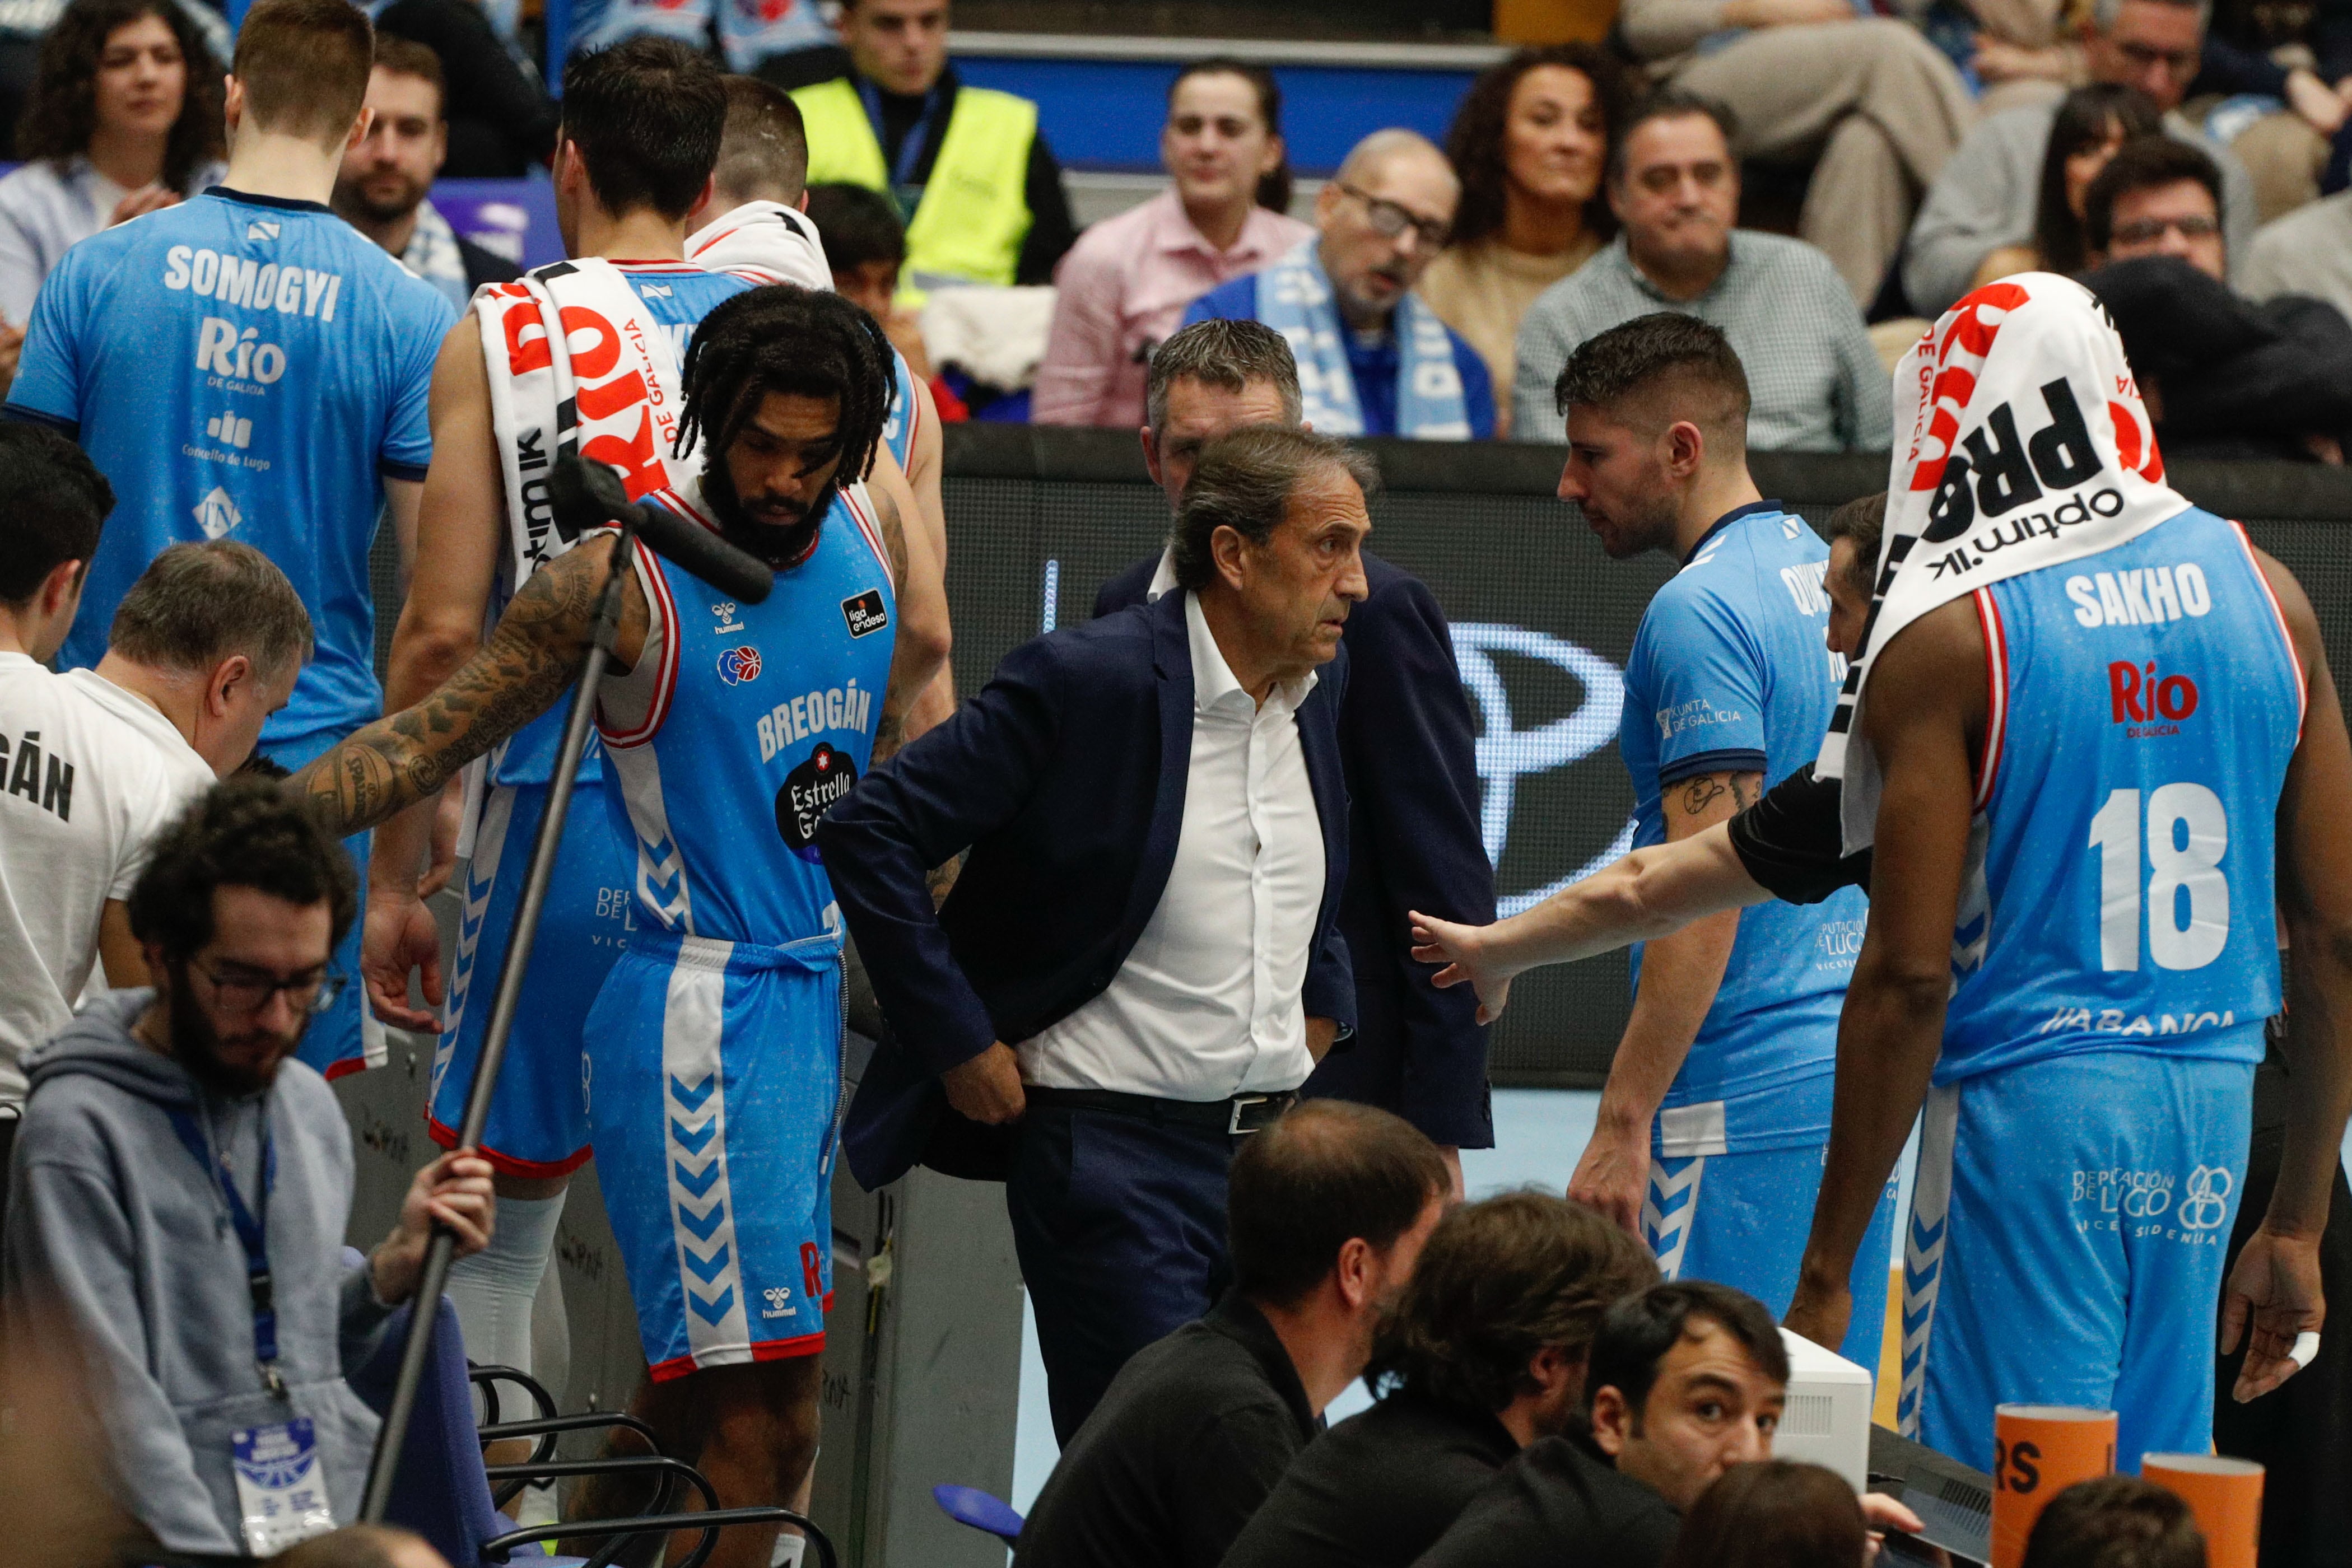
(1522,579)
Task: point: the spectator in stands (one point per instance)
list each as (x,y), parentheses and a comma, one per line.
(2309,251)
(1484,1354)
(2092,124)
(1407,743)
(1814,378)
(182,1188)
(996,213)
(1378,361)
(1530,143)
(2222,376)
(865,246)
(1125,285)
(2114,1522)
(381,191)
(1327,1213)
(1989,194)
(778,40)
(501,121)
(1774,1513)
(124,117)
(1869,96)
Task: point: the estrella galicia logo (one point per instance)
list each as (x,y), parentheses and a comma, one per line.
(864,612)
(2205,1201)
(809,791)
(736,666)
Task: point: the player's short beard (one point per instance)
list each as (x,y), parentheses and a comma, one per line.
(777,545)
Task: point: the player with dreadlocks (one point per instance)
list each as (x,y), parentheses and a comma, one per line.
(713,1046)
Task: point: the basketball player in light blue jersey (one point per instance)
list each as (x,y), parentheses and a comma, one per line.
(2104,787)
(246,365)
(714,1041)
(1717,1109)
(640,140)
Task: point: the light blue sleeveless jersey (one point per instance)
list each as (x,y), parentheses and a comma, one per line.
(2144,703)
(247,368)
(1729,673)
(762,716)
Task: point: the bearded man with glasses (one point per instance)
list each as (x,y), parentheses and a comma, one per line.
(1373,359)
(181,1187)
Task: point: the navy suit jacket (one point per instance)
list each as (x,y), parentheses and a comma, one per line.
(1408,745)
(1064,776)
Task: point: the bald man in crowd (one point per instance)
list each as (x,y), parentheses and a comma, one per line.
(1373,359)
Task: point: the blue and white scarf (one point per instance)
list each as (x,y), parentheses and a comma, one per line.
(1293,298)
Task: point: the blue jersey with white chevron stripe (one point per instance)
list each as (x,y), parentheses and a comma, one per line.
(1729,673)
(755,720)
(2144,705)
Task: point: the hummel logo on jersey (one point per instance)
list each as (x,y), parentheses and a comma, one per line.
(864,612)
(261,228)
(725,612)
(217,514)
(228,429)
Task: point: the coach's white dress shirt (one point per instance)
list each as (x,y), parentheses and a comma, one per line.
(1207,1006)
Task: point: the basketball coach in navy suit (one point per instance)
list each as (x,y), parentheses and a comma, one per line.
(1408,747)
(1141,961)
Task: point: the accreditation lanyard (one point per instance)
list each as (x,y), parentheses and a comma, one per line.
(911,150)
(251,1231)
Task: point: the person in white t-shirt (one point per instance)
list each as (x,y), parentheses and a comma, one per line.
(93,764)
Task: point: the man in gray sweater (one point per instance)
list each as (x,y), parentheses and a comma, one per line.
(180,1186)
(1985,196)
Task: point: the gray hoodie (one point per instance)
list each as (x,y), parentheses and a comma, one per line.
(119,1256)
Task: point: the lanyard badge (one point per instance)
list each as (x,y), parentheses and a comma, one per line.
(280,1492)
(251,1235)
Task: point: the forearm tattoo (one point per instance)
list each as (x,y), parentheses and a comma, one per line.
(532,655)
(1702,792)
(898,696)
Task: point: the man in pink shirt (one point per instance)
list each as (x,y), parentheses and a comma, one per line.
(1125,285)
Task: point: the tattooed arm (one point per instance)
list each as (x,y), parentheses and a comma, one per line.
(1679,976)
(532,657)
(922,645)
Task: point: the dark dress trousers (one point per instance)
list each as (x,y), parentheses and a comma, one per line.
(1065,776)
(1560,1504)
(1192,1436)
(1409,746)
(1378,1489)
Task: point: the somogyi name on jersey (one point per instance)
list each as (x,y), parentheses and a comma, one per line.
(288,290)
(789,723)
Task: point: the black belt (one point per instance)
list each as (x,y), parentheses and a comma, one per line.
(1236,1117)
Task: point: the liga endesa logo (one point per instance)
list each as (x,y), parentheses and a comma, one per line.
(2149,704)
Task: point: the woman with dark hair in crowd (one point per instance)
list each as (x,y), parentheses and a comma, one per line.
(1125,284)
(2093,123)
(1529,141)
(1774,1513)
(124,117)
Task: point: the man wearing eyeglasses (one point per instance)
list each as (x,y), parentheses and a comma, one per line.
(2224,377)
(182,1186)
(1988,194)
(1373,359)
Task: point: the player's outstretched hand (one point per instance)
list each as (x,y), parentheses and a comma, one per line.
(399,937)
(1463,950)
(987,1089)
(1612,1175)
(2273,1296)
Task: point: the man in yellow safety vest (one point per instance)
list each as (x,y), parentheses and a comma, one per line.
(974,180)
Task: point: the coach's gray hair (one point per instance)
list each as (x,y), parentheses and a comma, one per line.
(1228,355)
(1244,482)
(2106,14)
(197,604)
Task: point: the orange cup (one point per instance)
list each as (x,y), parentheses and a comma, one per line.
(2040,1450)
(2226,1495)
